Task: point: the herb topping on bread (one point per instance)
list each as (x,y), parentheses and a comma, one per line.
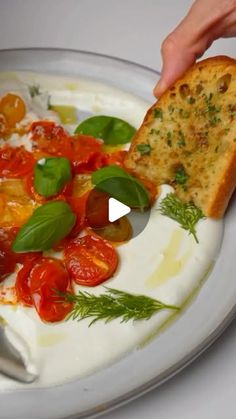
(188,137)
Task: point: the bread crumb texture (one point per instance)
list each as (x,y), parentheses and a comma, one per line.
(188,138)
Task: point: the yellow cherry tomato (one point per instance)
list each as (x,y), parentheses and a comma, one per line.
(4,128)
(12,107)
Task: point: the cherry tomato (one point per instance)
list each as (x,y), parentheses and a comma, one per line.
(51,139)
(15,162)
(27,256)
(22,286)
(87,154)
(29,186)
(97,209)
(7,256)
(4,128)
(151,187)
(7,261)
(118,231)
(30,189)
(46,277)
(117,158)
(13,108)
(78,205)
(90,260)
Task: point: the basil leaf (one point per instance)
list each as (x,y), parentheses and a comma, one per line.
(121,186)
(49,223)
(51,174)
(110,129)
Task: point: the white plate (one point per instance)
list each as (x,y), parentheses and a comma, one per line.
(180,343)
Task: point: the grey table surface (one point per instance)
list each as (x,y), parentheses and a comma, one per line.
(134,30)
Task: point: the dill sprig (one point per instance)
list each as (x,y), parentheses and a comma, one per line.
(34,90)
(186,214)
(113,304)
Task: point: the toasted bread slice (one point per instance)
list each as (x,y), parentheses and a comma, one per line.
(188,137)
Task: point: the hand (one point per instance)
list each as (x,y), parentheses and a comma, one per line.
(206,21)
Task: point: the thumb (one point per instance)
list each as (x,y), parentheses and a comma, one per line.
(176,61)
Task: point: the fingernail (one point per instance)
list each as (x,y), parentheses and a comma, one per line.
(159,88)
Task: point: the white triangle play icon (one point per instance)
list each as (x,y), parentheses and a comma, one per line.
(116,210)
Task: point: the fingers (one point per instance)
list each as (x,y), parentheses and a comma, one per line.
(204,23)
(176,61)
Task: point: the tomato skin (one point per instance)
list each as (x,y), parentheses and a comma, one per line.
(8,258)
(15,162)
(4,128)
(90,260)
(29,186)
(78,206)
(22,286)
(47,276)
(51,138)
(7,261)
(87,154)
(97,209)
(117,158)
(13,108)
(84,152)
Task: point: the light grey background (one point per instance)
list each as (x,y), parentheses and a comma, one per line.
(134,30)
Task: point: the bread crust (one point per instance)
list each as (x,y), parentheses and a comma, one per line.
(207,74)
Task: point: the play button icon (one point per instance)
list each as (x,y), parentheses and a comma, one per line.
(113,219)
(117,210)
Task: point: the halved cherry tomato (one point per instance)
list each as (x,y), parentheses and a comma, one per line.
(117,158)
(87,154)
(118,231)
(4,128)
(27,256)
(78,206)
(90,260)
(13,108)
(51,139)
(7,256)
(97,209)
(15,162)
(7,261)
(151,187)
(46,278)
(29,186)
(22,287)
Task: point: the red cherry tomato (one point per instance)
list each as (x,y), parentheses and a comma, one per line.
(7,256)
(7,261)
(22,287)
(30,189)
(78,206)
(90,260)
(29,186)
(117,158)
(97,209)
(51,139)
(25,257)
(15,162)
(87,154)
(46,277)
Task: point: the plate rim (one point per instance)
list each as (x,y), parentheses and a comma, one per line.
(193,354)
(85,52)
